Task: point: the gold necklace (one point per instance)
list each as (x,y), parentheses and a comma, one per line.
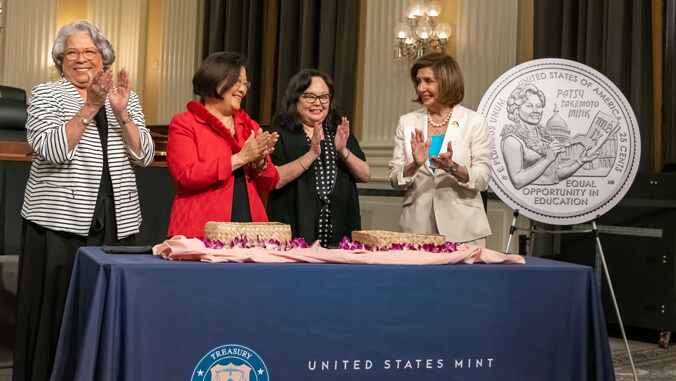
(230,125)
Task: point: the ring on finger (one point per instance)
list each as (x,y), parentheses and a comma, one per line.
(102,87)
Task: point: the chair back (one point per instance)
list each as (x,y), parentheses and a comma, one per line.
(13,114)
(12,94)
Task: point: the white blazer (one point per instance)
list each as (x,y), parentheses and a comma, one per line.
(457,207)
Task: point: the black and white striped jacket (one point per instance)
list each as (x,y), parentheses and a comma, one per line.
(63,186)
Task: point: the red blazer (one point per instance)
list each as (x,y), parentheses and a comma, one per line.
(199,155)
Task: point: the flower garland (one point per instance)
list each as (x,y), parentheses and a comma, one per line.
(533,143)
(447,247)
(245,243)
(299,243)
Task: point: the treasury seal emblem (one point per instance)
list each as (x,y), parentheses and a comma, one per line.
(566,144)
(230,362)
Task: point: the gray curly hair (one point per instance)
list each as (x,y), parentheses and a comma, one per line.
(102,44)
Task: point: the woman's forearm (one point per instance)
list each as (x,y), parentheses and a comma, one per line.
(411,168)
(130,133)
(76,126)
(359,169)
(292,170)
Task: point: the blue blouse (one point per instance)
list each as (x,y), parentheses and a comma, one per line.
(435,147)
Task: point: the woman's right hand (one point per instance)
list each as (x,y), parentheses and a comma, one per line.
(553,150)
(420,147)
(98,89)
(255,148)
(316,141)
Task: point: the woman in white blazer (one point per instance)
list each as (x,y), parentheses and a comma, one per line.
(442,157)
(86,137)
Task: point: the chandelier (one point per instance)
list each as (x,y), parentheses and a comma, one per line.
(421,34)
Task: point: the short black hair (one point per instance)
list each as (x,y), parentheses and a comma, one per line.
(219,69)
(287,115)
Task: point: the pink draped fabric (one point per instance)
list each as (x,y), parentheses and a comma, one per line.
(192,249)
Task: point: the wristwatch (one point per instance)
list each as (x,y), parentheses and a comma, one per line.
(454,167)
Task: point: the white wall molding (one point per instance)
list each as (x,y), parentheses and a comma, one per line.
(30,29)
(486,39)
(123,23)
(387,88)
(179,57)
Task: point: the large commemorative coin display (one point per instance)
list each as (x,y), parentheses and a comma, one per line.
(566,144)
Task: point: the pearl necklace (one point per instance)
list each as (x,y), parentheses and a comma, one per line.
(443,123)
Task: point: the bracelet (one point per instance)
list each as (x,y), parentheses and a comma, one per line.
(83,120)
(348,155)
(301,164)
(124,122)
(254,166)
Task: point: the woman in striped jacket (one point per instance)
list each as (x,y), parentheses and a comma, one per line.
(86,137)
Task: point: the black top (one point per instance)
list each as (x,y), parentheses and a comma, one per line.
(298,205)
(105,204)
(241,212)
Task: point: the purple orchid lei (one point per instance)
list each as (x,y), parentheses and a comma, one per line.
(447,247)
(245,243)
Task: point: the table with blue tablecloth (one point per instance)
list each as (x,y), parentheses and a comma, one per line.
(140,317)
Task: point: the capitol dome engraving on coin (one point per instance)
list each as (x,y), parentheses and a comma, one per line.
(566,142)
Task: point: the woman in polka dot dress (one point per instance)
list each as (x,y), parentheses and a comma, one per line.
(319,163)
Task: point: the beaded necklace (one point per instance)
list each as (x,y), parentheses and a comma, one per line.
(443,123)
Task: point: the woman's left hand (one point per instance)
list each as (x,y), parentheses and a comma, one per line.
(586,157)
(342,134)
(445,160)
(271,143)
(119,97)
(260,163)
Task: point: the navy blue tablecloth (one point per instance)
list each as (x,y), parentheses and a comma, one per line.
(139,317)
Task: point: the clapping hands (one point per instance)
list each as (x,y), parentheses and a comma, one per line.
(257,147)
(101,86)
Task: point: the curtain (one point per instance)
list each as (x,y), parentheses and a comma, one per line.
(319,34)
(238,26)
(613,37)
(324,35)
(669,89)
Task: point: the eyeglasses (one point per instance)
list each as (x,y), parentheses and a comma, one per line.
(245,84)
(72,55)
(311,98)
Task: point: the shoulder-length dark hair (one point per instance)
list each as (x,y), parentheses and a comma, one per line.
(219,69)
(447,74)
(287,115)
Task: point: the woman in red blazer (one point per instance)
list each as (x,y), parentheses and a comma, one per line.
(217,154)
